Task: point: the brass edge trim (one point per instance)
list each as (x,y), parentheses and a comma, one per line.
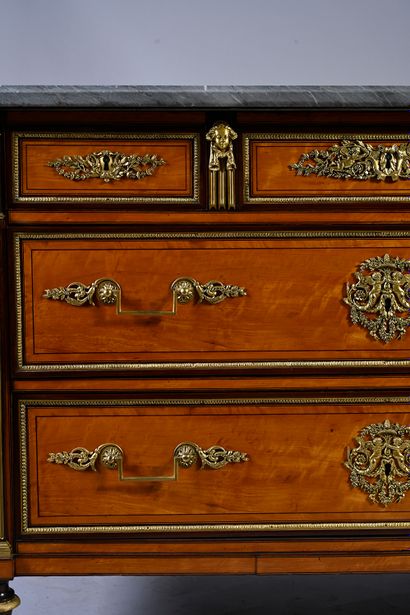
(205,235)
(317,136)
(306,200)
(197,365)
(194,137)
(201,401)
(5,550)
(23,467)
(79,367)
(2,494)
(19,302)
(297,200)
(226,527)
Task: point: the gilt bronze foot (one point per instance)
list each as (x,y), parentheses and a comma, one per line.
(8,599)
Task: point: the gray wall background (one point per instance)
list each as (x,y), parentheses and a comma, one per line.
(214,42)
(218,42)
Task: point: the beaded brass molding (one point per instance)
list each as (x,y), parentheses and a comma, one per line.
(382,289)
(109,292)
(380,463)
(5,547)
(312,200)
(197,365)
(107,165)
(27,529)
(111,456)
(134,137)
(354,159)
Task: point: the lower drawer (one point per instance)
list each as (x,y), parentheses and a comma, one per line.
(269,464)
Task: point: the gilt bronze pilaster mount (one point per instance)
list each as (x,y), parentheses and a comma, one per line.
(221,167)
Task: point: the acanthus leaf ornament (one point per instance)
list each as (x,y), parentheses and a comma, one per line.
(78,459)
(111,456)
(380,463)
(355,159)
(107,165)
(380,299)
(107,291)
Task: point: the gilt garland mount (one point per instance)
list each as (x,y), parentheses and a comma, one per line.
(355,159)
(107,165)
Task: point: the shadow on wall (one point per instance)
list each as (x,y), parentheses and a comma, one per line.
(230,595)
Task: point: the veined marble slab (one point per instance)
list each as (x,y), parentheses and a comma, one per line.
(206,96)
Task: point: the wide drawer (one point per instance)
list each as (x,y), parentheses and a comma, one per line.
(292,169)
(108,169)
(285,300)
(269,464)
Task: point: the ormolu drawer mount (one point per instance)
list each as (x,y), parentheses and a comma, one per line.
(108,291)
(112,456)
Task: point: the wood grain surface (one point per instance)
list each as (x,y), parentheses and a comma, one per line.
(294,308)
(295,473)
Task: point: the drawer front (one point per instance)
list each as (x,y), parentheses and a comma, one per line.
(314,169)
(295,312)
(280,465)
(133,168)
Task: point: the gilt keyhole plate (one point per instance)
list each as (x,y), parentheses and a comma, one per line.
(380,463)
(379,300)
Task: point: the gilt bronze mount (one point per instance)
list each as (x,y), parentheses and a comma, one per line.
(108,292)
(107,165)
(111,456)
(221,167)
(380,463)
(379,301)
(355,159)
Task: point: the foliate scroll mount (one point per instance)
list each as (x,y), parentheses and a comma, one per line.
(380,463)
(111,456)
(107,165)
(108,291)
(221,167)
(354,159)
(380,299)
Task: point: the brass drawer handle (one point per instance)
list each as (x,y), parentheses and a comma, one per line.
(108,291)
(382,290)
(111,456)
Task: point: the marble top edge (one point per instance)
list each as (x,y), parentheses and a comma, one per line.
(260,96)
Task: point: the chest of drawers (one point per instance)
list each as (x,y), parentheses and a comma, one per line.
(205,353)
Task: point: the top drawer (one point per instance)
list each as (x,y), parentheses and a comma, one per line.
(158,168)
(311,169)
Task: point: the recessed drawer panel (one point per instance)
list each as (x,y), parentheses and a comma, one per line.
(78,168)
(213,301)
(214,464)
(314,169)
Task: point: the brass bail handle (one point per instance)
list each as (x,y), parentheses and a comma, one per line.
(108,291)
(111,456)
